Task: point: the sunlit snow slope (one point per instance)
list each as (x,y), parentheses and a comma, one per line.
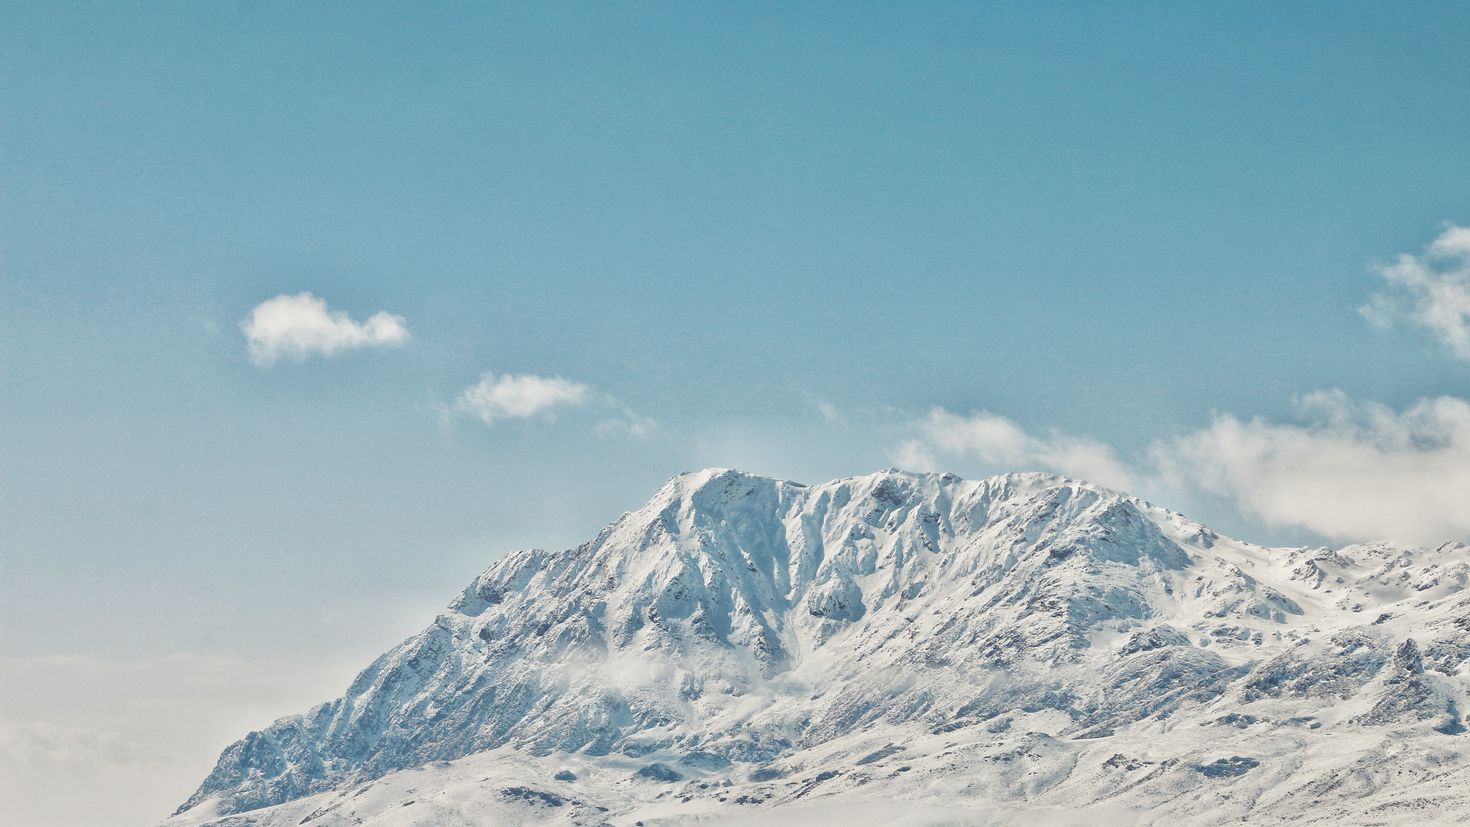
(897,648)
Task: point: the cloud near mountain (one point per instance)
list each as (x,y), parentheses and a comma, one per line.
(1429,291)
(1346,469)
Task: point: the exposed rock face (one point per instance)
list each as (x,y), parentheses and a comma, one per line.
(736,622)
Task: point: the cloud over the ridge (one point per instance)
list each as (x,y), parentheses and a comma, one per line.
(1000,442)
(1347,470)
(301,325)
(1431,291)
(524,395)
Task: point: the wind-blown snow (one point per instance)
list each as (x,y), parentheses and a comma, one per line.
(897,648)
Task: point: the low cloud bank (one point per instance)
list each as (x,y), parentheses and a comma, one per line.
(1345,469)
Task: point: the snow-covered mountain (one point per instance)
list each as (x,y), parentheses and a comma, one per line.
(897,648)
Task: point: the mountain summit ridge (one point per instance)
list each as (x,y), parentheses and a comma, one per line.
(737,626)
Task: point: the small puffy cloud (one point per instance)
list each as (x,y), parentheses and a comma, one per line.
(1430,291)
(1349,470)
(522,396)
(518,396)
(299,326)
(1001,443)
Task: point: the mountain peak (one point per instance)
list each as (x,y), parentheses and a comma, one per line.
(719,486)
(739,628)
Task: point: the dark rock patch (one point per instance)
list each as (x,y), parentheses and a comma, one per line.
(767,774)
(660,772)
(705,760)
(1228,767)
(879,754)
(531,796)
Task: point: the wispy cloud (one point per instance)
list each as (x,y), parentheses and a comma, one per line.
(495,398)
(1431,291)
(624,420)
(1002,443)
(299,326)
(1345,469)
(828,411)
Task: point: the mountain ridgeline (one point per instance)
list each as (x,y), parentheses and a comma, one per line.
(1019,642)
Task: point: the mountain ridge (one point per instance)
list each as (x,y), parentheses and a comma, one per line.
(736,620)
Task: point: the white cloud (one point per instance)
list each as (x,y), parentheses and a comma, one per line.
(1349,470)
(299,326)
(993,438)
(914,455)
(518,396)
(1346,470)
(1001,443)
(1431,291)
(521,396)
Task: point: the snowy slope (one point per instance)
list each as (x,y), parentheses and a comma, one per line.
(897,648)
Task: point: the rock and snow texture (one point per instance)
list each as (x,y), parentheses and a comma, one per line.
(897,648)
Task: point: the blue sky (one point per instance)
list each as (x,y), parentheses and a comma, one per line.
(807,240)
